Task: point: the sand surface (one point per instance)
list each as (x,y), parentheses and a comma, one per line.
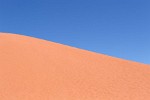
(35,69)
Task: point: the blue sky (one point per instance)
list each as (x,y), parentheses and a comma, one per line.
(119,28)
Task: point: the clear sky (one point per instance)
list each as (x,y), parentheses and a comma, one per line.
(119,28)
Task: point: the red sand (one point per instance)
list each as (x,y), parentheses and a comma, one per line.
(35,69)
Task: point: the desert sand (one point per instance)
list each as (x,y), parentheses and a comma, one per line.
(36,69)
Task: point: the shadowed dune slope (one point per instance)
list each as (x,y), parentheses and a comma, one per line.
(35,69)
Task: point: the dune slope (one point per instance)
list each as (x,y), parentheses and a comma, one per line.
(35,69)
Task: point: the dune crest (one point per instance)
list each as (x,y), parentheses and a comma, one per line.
(35,69)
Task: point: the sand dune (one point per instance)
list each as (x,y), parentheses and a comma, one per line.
(35,69)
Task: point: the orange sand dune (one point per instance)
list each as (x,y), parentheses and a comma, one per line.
(35,69)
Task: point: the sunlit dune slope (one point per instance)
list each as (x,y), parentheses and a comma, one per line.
(35,69)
